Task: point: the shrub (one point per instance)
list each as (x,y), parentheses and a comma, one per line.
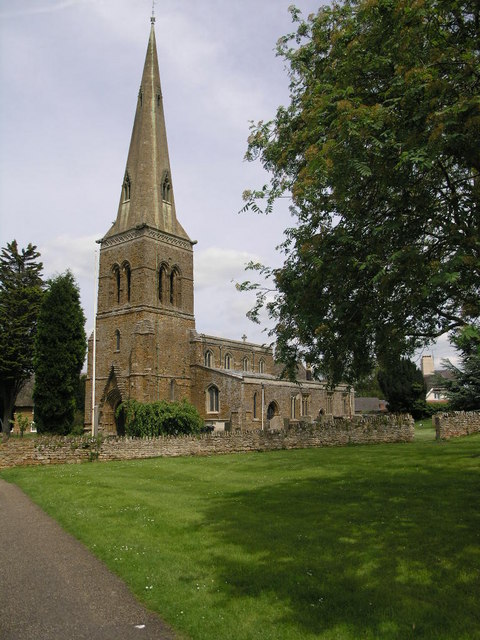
(159,418)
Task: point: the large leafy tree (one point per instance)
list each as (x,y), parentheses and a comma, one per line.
(60,349)
(404,388)
(463,389)
(20,297)
(379,149)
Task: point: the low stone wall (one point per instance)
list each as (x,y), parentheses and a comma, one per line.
(327,433)
(456,423)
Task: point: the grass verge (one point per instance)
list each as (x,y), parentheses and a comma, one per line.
(342,543)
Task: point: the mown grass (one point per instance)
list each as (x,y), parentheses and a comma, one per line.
(341,543)
(424,430)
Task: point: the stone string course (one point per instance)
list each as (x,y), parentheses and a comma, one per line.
(329,432)
(456,424)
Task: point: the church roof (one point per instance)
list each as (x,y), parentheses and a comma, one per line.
(147,191)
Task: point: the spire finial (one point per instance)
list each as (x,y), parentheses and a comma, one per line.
(152,19)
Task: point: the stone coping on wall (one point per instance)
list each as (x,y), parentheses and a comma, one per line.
(326,433)
(455,424)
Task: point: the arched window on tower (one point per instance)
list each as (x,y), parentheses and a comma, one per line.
(162,284)
(126,187)
(117,340)
(166,187)
(175,287)
(228,361)
(116,282)
(212,399)
(245,364)
(128,278)
(261,366)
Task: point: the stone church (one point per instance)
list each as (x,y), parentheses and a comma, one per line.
(147,346)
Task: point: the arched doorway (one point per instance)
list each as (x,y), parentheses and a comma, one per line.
(272,410)
(111,399)
(119,420)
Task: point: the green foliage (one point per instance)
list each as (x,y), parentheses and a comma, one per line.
(20,297)
(404,388)
(23,423)
(463,391)
(60,349)
(436,407)
(379,149)
(159,418)
(368,386)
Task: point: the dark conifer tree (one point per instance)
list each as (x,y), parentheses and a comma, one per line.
(404,388)
(60,349)
(20,296)
(463,390)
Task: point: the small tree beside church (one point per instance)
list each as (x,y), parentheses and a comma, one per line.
(60,349)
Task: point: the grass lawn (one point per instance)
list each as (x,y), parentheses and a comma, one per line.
(340,543)
(424,430)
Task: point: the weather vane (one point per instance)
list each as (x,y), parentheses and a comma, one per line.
(152,19)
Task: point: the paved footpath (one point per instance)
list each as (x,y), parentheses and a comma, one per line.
(52,587)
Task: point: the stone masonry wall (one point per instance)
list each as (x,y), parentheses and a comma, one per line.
(456,424)
(330,432)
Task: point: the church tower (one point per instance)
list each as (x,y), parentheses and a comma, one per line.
(145,292)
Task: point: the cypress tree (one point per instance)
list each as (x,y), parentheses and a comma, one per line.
(404,388)
(60,349)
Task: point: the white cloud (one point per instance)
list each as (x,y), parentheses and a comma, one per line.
(66,252)
(215,266)
(220,309)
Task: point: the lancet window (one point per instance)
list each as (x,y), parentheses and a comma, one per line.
(128,278)
(166,188)
(116,282)
(162,284)
(173,287)
(208,358)
(212,399)
(126,187)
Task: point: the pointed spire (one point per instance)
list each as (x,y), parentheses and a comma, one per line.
(147,190)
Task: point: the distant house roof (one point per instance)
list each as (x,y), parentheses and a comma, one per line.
(433,380)
(25,396)
(369,405)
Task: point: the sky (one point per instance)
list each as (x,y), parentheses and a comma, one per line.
(70,74)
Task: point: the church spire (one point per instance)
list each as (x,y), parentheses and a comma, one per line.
(147,190)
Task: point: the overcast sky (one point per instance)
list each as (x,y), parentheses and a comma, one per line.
(70,74)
